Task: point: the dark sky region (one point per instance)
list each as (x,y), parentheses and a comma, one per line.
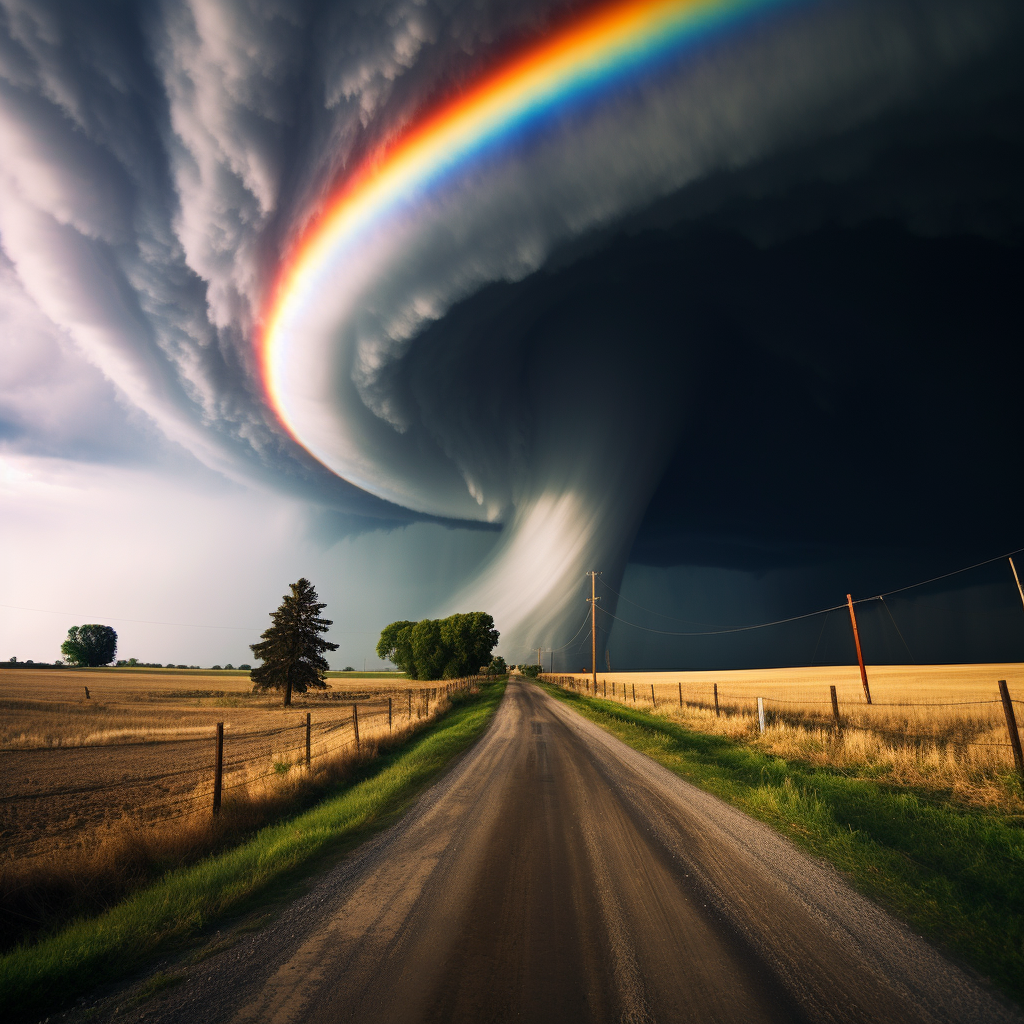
(742,329)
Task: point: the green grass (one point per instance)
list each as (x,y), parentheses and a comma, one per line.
(39,977)
(953,873)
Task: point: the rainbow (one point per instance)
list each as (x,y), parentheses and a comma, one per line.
(599,49)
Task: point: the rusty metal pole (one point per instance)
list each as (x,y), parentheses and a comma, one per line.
(860,655)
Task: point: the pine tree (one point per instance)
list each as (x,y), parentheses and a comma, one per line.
(292,650)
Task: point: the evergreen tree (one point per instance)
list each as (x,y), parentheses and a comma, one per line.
(292,650)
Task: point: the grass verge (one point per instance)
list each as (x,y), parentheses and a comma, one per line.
(956,874)
(36,978)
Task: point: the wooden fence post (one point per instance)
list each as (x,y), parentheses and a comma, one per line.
(606,687)
(654,703)
(87,693)
(389,712)
(835,709)
(427,695)
(634,693)
(718,713)
(410,703)
(1011,728)
(218,771)
(355,723)
(308,727)
(760,712)
(680,694)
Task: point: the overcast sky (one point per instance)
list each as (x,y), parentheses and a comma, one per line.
(739,329)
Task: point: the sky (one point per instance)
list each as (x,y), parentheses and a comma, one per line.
(444,304)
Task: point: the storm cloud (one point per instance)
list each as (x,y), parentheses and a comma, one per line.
(751,311)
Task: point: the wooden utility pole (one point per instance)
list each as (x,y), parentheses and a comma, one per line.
(860,655)
(539,652)
(1015,576)
(218,768)
(593,627)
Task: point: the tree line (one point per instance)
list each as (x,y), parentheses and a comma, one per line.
(292,649)
(450,648)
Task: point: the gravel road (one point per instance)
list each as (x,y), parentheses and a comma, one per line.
(557,875)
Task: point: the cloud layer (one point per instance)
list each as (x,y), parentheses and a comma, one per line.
(474,360)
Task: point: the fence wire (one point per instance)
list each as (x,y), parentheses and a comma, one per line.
(337,724)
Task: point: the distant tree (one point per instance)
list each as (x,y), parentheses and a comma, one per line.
(497,666)
(530,671)
(229,666)
(215,668)
(245,668)
(394,645)
(439,648)
(292,650)
(348,668)
(90,645)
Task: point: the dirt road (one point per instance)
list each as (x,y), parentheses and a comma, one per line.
(557,875)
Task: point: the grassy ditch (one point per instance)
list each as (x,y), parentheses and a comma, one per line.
(955,873)
(38,977)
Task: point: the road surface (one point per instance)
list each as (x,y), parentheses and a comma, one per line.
(557,875)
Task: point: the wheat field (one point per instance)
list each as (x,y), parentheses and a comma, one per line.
(141,747)
(938,728)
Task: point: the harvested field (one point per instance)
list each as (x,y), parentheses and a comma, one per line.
(141,749)
(932,727)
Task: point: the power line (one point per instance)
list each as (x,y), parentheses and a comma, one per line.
(651,610)
(577,633)
(820,611)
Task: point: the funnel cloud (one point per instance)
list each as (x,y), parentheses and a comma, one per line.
(736,326)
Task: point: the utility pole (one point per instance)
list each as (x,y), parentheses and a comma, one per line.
(860,656)
(1017,578)
(539,650)
(593,627)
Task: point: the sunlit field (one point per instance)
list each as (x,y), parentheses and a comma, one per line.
(934,727)
(141,748)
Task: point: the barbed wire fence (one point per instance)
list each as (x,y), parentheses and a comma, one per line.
(828,713)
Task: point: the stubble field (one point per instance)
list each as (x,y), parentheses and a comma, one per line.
(141,747)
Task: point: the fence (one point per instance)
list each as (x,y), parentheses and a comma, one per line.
(980,724)
(161,780)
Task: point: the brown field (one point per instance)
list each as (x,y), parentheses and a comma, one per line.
(933,727)
(141,748)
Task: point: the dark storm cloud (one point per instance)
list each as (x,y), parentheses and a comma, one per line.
(754,313)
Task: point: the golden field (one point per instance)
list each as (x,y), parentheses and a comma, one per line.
(142,747)
(933,727)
